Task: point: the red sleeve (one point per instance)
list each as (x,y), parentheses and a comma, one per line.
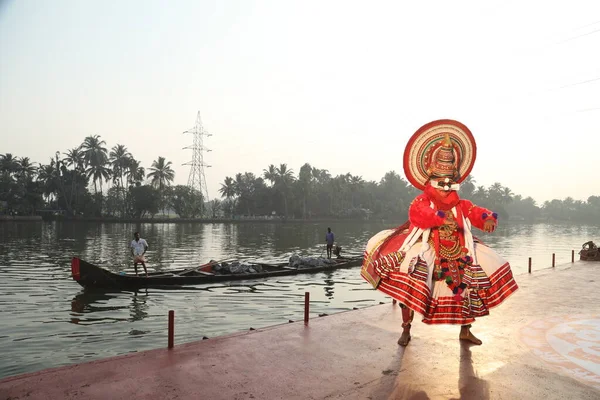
(422,215)
(477,215)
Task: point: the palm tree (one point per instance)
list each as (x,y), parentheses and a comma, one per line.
(467,187)
(8,165)
(136,173)
(495,193)
(243,189)
(75,158)
(305,179)
(96,159)
(507,195)
(119,158)
(228,189)
(356,183)
(270,174)
(162,175)
(26,169)
(98,173)
(480,195)
(216,206)
(47,177)
(283,182)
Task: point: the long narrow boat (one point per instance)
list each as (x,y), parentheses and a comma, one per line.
(91,276)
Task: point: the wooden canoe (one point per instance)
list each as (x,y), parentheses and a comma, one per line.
(91,276)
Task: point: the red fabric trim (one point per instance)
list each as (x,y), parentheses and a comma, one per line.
(503,285)
(406,294)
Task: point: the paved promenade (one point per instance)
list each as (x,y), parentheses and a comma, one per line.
(542,343)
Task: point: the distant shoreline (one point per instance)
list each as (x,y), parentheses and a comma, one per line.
(161,220)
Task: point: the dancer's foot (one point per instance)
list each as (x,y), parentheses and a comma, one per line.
(465,334)
(405,337)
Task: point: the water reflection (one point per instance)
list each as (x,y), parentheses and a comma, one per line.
(329,284)
(139,306)
(88,302)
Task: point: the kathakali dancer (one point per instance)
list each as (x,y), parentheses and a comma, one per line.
(433,264)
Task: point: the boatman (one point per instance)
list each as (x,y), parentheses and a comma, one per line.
(329,239)
(138,248)
(433,264)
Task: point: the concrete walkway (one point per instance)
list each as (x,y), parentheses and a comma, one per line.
(542,343)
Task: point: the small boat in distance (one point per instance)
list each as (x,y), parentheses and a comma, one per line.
(589,252)
(91,276)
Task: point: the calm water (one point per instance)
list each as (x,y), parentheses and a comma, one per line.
(48,320)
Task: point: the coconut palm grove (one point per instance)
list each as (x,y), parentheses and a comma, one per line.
(91,181)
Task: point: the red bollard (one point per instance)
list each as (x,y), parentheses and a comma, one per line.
(572,256)
(529,264)
(306,304)
(171,327)
(553,259)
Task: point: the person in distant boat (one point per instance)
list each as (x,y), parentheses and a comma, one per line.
(337,251)
(329,238)
(138,248)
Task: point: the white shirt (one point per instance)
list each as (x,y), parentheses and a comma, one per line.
(138,246)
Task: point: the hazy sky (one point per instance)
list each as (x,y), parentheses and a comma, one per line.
(339,84)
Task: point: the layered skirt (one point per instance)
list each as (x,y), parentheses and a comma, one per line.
(412,278)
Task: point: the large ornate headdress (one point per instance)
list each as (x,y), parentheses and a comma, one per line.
(442,149)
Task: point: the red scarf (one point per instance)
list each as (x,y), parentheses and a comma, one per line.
(441,203)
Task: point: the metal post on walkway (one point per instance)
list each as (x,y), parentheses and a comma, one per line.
(306,305)
(171,327)
(529,264)
(572,256)
(553,260)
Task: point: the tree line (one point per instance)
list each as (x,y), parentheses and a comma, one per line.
(73,183)
(92,181)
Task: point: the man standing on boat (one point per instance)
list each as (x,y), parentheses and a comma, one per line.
(329,238)
(138,248)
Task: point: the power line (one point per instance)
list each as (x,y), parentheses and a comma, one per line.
(580,83)
(578,36)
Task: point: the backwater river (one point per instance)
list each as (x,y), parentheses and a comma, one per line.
(48,320)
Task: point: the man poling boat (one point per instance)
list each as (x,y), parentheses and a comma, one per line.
(138,247)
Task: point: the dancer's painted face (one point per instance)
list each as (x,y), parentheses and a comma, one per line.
(442,186)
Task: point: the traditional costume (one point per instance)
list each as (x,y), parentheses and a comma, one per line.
(433,264)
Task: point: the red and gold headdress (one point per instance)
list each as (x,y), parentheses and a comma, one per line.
(440,149)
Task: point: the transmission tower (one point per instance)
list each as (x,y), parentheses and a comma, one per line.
(196,180)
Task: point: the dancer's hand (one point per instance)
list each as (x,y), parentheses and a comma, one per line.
(489,226)
(451,224)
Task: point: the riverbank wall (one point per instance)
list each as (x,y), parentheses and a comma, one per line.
(20,218)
